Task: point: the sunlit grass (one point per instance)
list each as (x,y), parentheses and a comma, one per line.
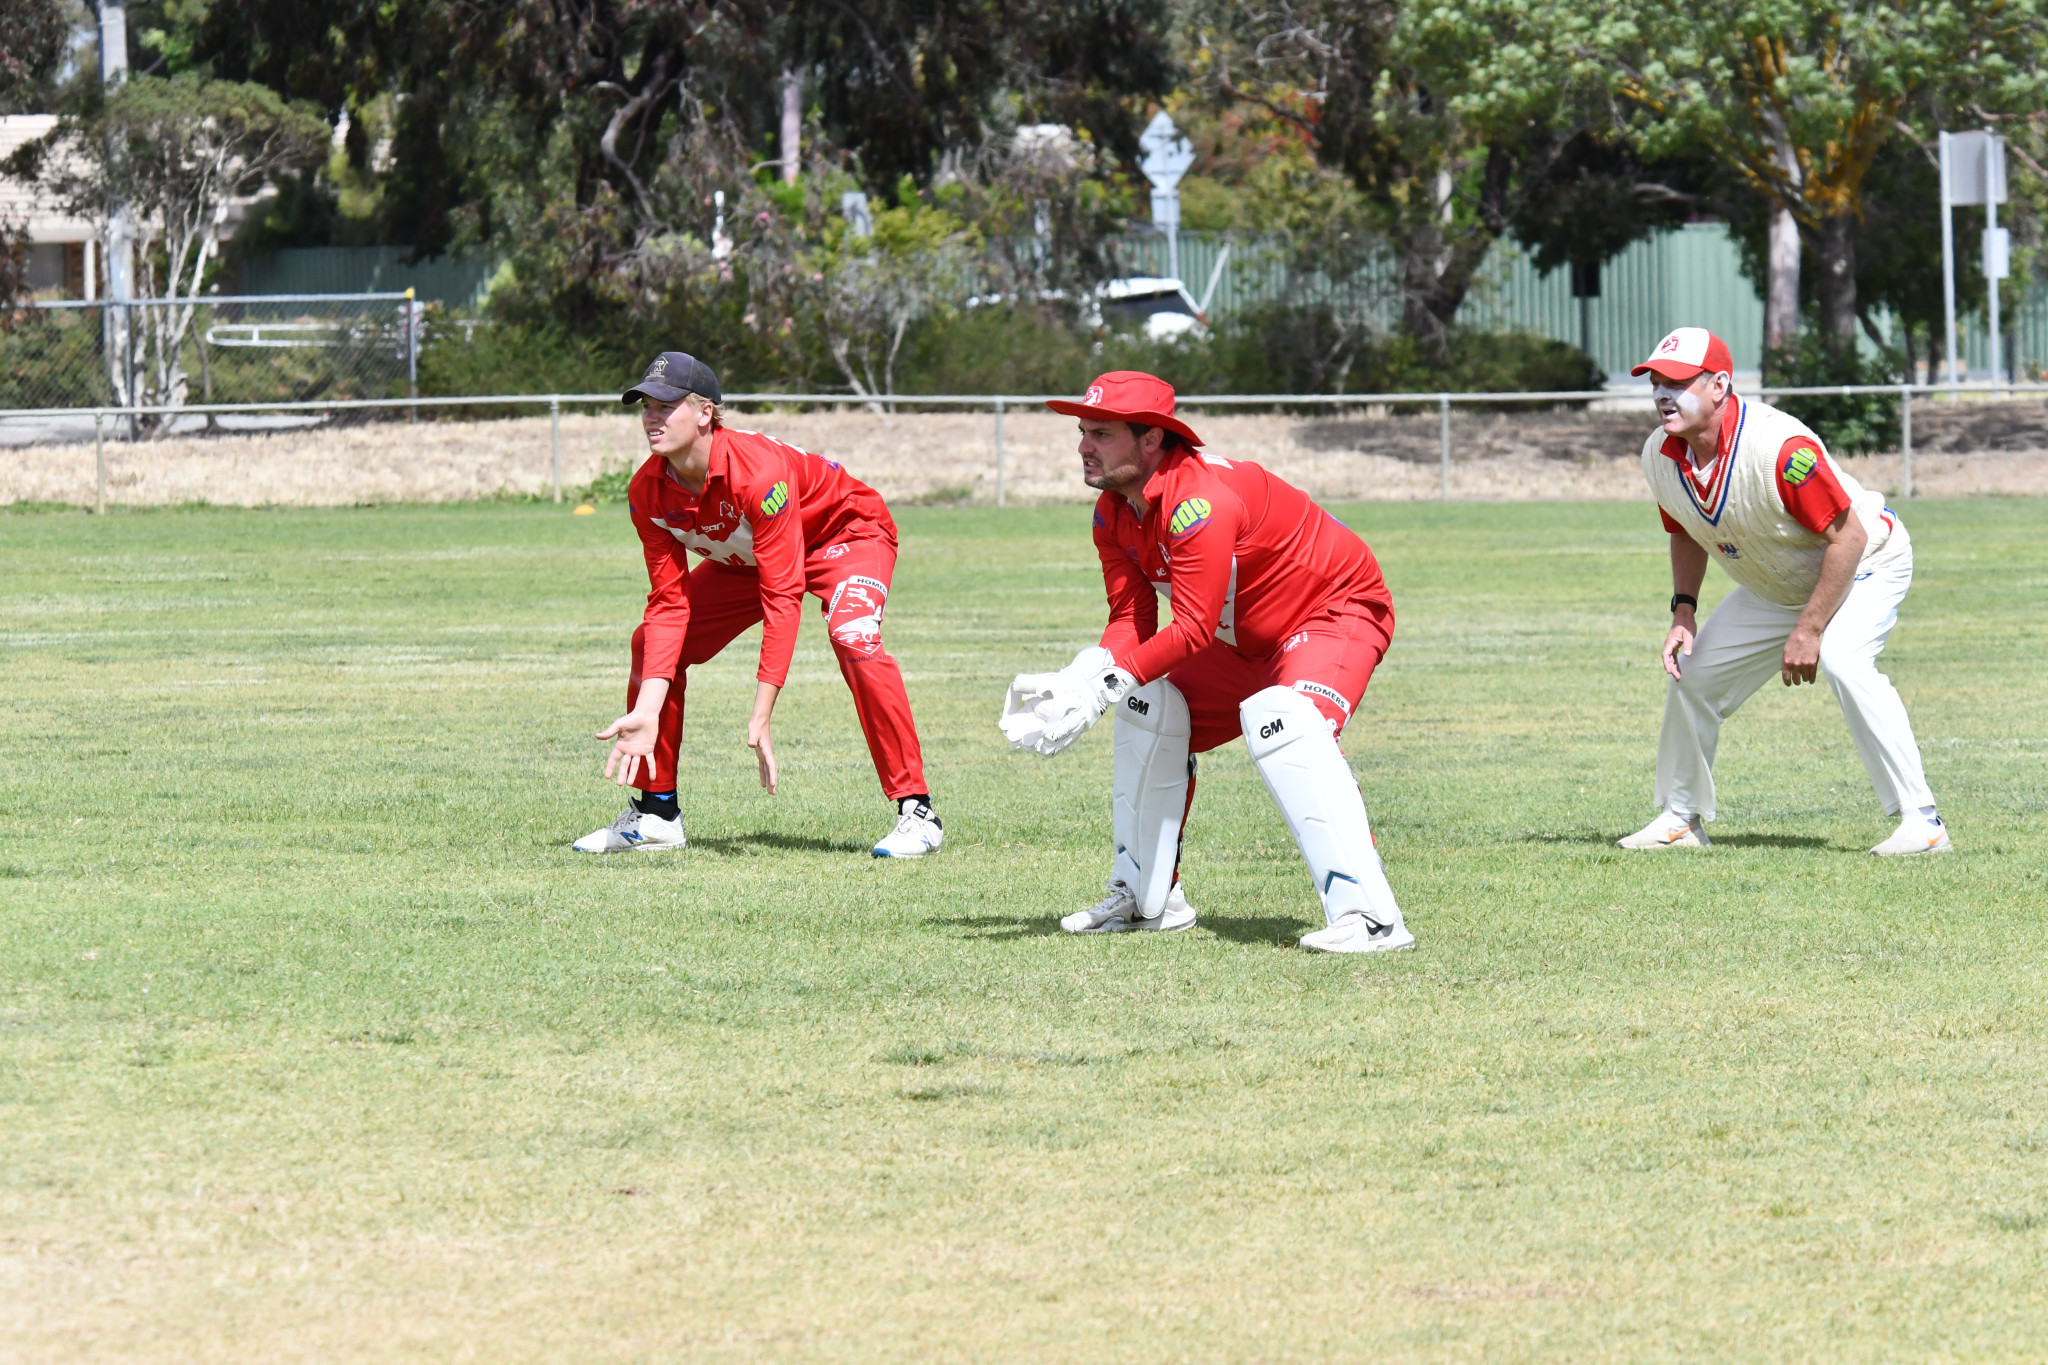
(318,1043)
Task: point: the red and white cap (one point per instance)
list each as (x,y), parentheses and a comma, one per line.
(1129,396)
(1685,353)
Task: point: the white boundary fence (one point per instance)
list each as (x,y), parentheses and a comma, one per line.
(998,404)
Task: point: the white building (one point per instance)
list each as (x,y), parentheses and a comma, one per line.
(63,253)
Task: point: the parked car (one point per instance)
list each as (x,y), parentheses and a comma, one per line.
(1161,306)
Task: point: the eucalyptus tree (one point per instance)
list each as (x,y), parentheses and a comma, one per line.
(1797,100)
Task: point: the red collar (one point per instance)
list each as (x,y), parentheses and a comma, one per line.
(1680,454)
(1156,485)
(714,468)
(1731,418)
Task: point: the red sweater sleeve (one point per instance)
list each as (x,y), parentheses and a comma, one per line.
(668,603)
(1807,485)
(768,501)
(1133,606)
(1200,574)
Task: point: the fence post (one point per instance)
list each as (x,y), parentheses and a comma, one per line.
(412,362)
(1443,447)
(99,463)
(133,399)
(999,452)
(555,441)
(1905,440)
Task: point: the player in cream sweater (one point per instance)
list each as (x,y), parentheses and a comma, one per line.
(1820,564)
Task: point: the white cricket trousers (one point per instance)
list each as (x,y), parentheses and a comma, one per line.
(1742,646)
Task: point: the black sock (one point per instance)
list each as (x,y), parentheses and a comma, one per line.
(915,800)
(660,804)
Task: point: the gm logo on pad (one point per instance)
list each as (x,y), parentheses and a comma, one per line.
(1191,515)
(777,499)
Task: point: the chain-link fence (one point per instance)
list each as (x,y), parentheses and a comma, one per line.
(170,354)
(992,448)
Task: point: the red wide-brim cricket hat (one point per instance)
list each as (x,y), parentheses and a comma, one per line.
(1685,353)
(1129,396)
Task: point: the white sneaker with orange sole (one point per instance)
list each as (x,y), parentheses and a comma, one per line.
(1669,830)
(1916,834)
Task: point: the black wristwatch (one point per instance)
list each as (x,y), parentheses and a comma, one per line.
(1686,598)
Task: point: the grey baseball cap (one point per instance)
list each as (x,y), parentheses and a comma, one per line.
(671,375)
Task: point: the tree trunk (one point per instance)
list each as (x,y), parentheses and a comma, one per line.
(792,123)
(1442,256)
(1837,252)
(1781,287)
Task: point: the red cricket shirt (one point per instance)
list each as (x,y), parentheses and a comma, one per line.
(1807,485)
(1244,556)
(765,506)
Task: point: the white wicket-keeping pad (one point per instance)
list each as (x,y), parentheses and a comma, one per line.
(1295,753)
(1152,733)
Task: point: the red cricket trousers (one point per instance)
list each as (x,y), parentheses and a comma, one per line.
(1329,659)
(851,581)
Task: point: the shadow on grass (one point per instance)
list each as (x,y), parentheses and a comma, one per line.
(1774,841)
(1265,930)
(739,844)
(1719,840)
(1001,927)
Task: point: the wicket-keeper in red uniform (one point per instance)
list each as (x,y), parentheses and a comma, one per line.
(771,522)
(1279,618)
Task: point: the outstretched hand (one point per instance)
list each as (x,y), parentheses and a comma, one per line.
(633,748)
(1679,641)
(1801,663)
(764,751)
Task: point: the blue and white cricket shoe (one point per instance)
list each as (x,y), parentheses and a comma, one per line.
(634,830)
(917,832)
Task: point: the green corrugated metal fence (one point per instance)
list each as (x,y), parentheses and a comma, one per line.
(1691,276)
(364,270)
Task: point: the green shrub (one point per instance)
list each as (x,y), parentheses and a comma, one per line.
(1009,348)
(509,358)
(1017,348)
(1848,424)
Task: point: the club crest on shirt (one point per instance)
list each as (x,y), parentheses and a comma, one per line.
(1731,551)
(777,499)
(1799,468)
(1190,516)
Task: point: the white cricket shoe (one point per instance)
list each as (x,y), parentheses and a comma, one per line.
(1916,835)
(1117,913)
(1669,830)
(634,830)
(917,833)
(1357,934)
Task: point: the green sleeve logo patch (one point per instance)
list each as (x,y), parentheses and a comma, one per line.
(1800,467)
(777,499)
(1190,516)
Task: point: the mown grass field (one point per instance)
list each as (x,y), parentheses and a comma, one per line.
(318,1044)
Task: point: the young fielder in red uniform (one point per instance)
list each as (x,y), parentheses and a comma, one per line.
(771,522)
(1279,618)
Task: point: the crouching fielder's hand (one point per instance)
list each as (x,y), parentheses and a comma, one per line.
(1045,712)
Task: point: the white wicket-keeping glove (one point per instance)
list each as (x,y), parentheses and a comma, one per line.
(1038,700)
(1046,712)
